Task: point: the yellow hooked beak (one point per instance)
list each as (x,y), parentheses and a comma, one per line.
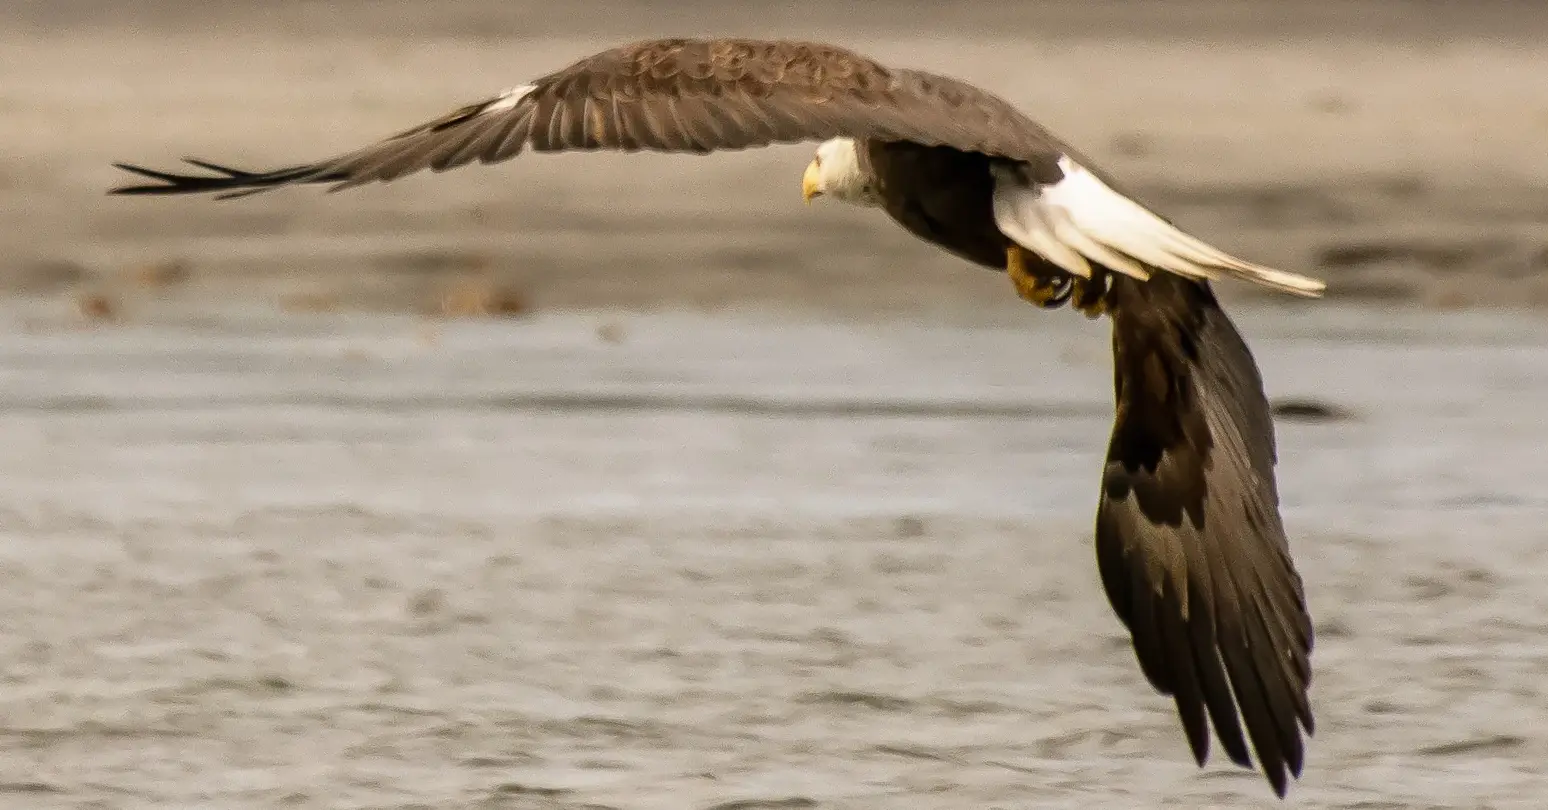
(811,182)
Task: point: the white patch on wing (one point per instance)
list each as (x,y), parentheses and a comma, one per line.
(508,99)
(1081,219)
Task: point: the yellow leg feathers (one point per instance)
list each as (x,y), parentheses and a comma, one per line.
(1044,291)
(1052,291)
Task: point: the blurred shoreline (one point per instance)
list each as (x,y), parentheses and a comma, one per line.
(1405,167)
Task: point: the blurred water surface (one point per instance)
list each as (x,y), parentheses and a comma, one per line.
(626,560)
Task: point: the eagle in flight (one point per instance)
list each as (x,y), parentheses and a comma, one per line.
(1190,546)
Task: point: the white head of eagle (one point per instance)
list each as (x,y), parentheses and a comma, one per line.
(835,171)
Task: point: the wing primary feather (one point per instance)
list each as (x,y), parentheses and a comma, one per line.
(215,167)
(1216,690)
(1262,728)
(490,145)
(1145,629)
(1283,700)
(1186,686)
(513,139)
(459,151)
(1281,638)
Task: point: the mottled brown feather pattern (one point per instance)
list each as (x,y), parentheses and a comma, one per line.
(1190,546)
(679,95)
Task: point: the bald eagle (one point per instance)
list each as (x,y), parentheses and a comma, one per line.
(1190,546)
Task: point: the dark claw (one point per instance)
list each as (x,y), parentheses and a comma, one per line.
(1065,287)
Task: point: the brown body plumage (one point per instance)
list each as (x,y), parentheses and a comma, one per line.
(1190,546)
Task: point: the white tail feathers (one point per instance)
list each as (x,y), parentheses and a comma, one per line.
(1080,219)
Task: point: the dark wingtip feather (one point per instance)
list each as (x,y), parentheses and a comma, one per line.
(228,181)
(1196,728)
(142,171)
(216,167)
(1278,781)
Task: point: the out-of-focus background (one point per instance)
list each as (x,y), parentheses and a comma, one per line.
(630,481)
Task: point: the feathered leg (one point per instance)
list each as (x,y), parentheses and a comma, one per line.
(1048,292)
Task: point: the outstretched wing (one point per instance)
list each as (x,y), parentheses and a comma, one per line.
(1190,545)
(672,95)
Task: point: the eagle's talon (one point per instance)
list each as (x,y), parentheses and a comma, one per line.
(1061,291)
(1048,292)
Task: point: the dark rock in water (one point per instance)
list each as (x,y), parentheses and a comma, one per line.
(1308,410)
(1497,742)
(909,527)
(1452,256)
(791,803)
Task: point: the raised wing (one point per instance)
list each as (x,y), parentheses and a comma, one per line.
(671,95)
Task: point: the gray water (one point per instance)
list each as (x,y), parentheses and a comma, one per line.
(687,561)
